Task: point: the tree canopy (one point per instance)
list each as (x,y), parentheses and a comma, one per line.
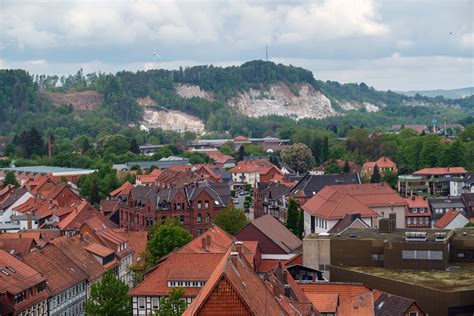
(231,219)
(109,296)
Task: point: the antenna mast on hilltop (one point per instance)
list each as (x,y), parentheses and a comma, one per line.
(266,52)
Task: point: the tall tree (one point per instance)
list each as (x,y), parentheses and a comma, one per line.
(317,149)
(455,155)
(173,305)
(391,178)
(298,157)
(134,148)
(325,150)
(241,153)
(109,296)
(10,179)
(300,224)
(166,238)
(231,219)
(94,197)
(292,216)
(375,178)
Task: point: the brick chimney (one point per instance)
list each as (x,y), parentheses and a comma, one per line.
(203,243)
(208,241)
(29,219)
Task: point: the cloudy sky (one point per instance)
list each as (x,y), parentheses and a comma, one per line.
(389,44)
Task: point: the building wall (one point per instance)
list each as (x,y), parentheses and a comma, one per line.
(5,216)
(317,253)
(40,309)
(251,233)
(384,212)
(432,301)
(70,301)
(458,222)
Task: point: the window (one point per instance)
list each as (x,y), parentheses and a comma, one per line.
(208,218)
(422,254)
(206,204)
(199,232)
(141,302)
(198,219)
(408,254)
(377,256)
(199,204)
(413,314)
(155,303)
(409,221)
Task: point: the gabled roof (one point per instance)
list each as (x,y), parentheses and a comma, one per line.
(441,171)
(22,279)
(348,221)
(17,247)
(82,213)
(13,196)
(219,157)
(382,162)
(74,248)
(60,270)
(262,166)
(335,201)
(220,192)
(233,270)
(311,184)
(447,218)
(387,304)
(417,202)
(137,241)
(353,299)
(275,231)
(124,189)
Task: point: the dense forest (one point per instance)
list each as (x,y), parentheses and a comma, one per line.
(81,138)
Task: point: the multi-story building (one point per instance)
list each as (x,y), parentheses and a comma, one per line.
(23,290)
(66,281)
(194,205)
(429,181)
(461,185)
(432,267)
(312,182)
(384,164)
(271,198)
(418,213)
(253,171)
(369,201)
(441,205)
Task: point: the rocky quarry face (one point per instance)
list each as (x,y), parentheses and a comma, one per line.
(188,91)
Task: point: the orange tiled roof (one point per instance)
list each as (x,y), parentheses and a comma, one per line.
(447,218)
(353,299)
(124,189)
(59,269)
(441,171)
(98,249)
(219,157)
(17,247)
(417,202)
(335,201)
(24,278)
(261,166)
(137,241)
(382,162)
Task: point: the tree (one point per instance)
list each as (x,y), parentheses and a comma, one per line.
(325,150)
(300,224)
(231,219)
(173,305)
(298,157)
(347,168)
(391,178)
(94,197)
(292,216)
(109,296)
(10,179)
(332,168)
(375,178)
(134,148)
(165,238)
(241,153)
(454,155)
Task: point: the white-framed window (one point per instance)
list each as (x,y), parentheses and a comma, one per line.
(141,303)
(155,302)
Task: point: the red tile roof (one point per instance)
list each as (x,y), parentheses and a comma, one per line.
(336,201)
(17,247)
(124,189)
(137,241)
(98,249)
(447,218)
(60,270)
(22,279)
(382,162)
(441,171)
(261,166)
(417,202)
(219,157)
(353,299)
(74,248)
(235,271)
(82,213)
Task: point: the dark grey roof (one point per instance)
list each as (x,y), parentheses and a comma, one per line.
(446,202)
(388,305)
(344,223)
(311,184)
(220,192)
(272,190)
(14,196)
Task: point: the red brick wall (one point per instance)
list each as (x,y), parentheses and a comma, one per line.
(267,246)
(223,300)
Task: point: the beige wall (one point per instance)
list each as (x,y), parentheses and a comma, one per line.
(385,211)
(316,252)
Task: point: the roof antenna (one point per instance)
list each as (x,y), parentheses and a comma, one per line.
(266,52)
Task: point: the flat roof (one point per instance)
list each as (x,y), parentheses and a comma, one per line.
(47,169)
(455,278)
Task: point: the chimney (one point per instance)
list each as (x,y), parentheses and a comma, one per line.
(287,289)
(204,243)
(285,276)
(234,257)
(29,218)
(208,241)
(238,247)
